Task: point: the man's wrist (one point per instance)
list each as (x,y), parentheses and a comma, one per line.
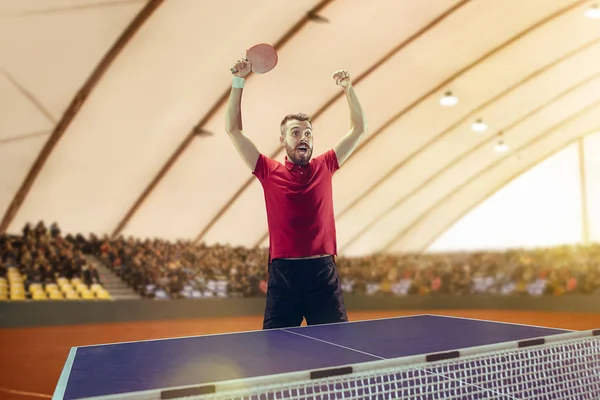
(238,83)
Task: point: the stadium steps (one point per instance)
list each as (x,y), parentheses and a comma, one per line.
(111,282)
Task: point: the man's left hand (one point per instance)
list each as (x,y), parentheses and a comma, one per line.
(342,78)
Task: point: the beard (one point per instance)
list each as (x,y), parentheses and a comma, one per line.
(296,157)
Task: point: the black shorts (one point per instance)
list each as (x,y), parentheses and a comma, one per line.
(298,289)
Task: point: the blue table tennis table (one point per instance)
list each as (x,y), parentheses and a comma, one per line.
(434,357)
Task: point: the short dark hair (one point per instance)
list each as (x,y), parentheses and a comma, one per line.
(297,117)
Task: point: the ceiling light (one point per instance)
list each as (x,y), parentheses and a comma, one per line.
(501,147)
(479,126)
(593,12)
(449,99)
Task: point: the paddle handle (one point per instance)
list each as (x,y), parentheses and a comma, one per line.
(233,70)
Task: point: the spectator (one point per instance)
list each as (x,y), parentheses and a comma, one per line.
(185,269)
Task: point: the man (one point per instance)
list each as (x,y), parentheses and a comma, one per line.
(303,280)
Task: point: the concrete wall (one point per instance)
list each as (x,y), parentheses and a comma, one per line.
(45,313)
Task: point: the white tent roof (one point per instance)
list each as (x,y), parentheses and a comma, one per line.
(112,112)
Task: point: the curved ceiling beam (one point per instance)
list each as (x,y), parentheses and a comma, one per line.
(470,115)
(73,109)
(501,185)
(437,88)
(467,153)
(199,128)
(472,179)
(332,101)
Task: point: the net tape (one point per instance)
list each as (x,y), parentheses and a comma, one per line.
(566,369)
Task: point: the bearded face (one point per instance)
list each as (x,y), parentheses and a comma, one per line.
(297,140)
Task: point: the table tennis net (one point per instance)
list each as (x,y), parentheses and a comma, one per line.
(550,368)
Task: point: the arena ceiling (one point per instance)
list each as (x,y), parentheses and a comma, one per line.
(112,112)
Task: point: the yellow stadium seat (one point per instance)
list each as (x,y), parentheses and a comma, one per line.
(39,296)
(65,287)
(87,295)
(103,294)
(71,296)
(17,290)
(13,273)
(17,296)
(75,281)
(35,286)
(95,287)
(55,296)
(51,287)
(80,288)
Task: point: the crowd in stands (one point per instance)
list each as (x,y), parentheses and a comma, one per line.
(42,264)
(171,270)
(156,268)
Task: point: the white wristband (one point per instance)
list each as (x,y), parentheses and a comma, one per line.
(238,82)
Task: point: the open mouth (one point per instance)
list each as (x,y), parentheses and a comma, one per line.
(302,149)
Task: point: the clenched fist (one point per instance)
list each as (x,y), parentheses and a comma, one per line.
(241,68)
(342,78)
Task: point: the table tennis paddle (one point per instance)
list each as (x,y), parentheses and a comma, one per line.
(263,58)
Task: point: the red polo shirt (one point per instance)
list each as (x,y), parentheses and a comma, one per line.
(299,201)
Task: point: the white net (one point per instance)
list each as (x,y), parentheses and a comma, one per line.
(568,369)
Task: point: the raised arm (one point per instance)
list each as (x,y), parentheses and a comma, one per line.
(233,120)
(358,124)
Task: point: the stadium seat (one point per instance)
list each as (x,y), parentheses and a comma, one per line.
(14,275)
(95,287)
(70,293)
(66,287)
(34,287)
(51,287)
(17,288)
(80,287)
(87,295)
(55,295)
(71,296)
(17,296)
(39,295)
(103,295)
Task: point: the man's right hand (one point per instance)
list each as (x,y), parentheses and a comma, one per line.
(242,67)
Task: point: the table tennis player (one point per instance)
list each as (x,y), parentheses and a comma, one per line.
(303,280)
